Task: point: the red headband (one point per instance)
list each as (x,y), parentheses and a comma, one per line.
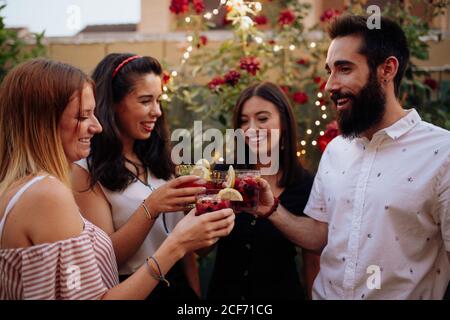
(124,62)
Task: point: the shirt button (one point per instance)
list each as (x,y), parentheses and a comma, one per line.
(248,246)
(253,222)
(245,273)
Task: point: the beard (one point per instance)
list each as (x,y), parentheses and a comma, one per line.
(366,109)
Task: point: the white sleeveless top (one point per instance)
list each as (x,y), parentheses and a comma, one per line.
(124,204)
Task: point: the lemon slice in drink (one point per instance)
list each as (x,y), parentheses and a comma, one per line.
(201,172)
(230,177)
(203,163)
(230,194)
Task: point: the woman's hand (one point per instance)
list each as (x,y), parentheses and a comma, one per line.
(172,196)
(266,199)
(195,232)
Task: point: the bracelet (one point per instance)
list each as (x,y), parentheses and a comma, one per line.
(153,273)
(276,201)
(147,213)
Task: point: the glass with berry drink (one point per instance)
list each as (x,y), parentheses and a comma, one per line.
(247,185)
(188,169)
(209,202)
(210,179)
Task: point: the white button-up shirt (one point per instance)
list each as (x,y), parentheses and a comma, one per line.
(386,202)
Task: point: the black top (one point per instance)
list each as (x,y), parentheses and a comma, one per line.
(256,261)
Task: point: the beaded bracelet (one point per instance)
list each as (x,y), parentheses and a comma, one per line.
(276,201)
(153,273)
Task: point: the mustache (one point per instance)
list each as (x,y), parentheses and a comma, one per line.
(335,96)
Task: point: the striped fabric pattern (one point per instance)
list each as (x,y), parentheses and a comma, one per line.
(83,267)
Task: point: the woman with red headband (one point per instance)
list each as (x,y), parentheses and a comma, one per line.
(122,186)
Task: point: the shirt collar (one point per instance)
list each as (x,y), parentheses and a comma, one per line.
(399,128)
(402,126)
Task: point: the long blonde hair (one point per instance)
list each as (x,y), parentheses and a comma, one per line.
(33,97)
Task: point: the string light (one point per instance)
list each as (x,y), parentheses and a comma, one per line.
(292,47)
(303,151)
(190,38)
(322,133)
(165,89)
(323,108)
(317,123)
(174,73)
(309,131)
(165,97)
(303,143)
(317,103)
(312,45)
(314,143)
(324,116)
(320,95)
(298,153)
(277,48)
(258,40)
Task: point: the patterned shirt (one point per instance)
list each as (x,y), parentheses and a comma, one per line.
(386,202)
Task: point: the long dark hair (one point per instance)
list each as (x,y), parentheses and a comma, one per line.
(106,162)
(291,169)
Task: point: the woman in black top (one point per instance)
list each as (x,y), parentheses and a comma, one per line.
(256,261)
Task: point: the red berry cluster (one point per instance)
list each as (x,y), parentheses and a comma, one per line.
(286,17)
(250,64)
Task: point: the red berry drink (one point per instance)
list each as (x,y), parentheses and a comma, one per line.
(246,183)
(209,203)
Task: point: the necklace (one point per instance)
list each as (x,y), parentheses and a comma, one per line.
(148,185)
